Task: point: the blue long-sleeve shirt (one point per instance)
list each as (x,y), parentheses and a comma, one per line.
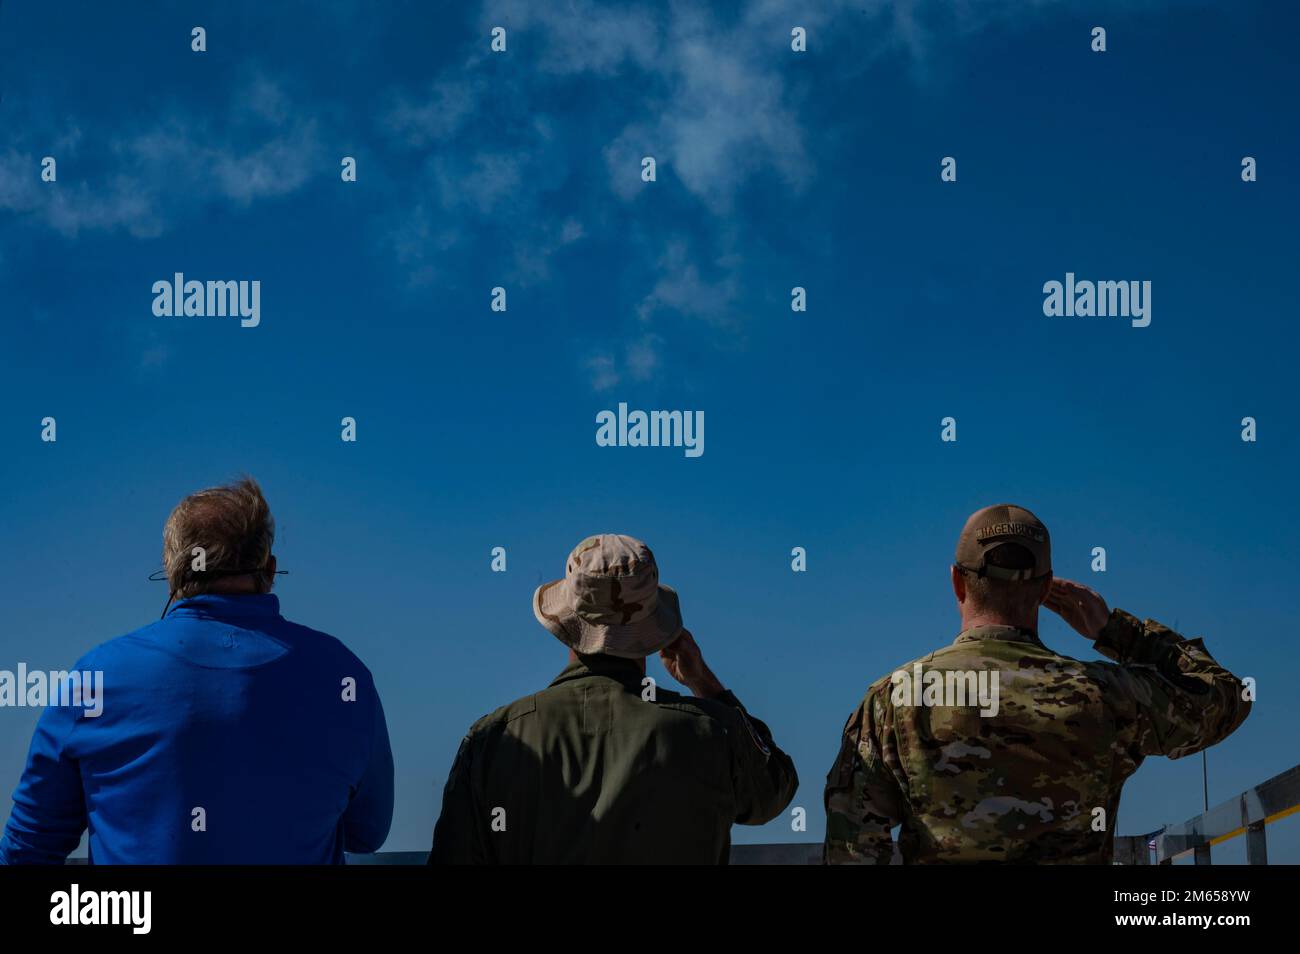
(227,735)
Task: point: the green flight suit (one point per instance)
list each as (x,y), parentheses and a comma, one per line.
(588,771)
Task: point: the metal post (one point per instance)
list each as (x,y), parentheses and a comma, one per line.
(1124,850)
(1256,849)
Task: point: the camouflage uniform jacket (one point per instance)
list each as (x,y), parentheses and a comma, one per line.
(588,772)
(1023,785)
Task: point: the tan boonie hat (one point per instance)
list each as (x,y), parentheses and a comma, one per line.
(999,524)
(610,600)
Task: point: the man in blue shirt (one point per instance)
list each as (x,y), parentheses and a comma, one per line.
(227,733)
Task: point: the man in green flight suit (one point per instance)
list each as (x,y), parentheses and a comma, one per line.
(604,767)
(1030,773)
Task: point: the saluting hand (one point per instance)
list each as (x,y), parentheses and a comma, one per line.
(685,663)
(1080,606)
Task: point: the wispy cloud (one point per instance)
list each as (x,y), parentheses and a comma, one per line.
(158,173)
(582,36)
(681,287)
(716,108)
(434,115)
(604,372)
(639,360)
(532,158)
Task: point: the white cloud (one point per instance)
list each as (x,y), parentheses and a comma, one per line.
(482,182)
(642,357)
(533,253)
(623,160)
(579,36)
(418,240)
(267,99)
(682,289)
(157,174)
(728,115)
(706,92)
(281,166)
(604,373)
(435,116)
(641,360)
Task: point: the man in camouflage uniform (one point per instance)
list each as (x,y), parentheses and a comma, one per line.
(1023,782)
(604,767)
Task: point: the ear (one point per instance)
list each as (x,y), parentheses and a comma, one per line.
(958,583)
(270,573)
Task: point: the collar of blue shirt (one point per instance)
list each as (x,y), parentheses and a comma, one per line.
(227,605)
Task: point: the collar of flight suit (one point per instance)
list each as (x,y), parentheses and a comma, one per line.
(626,671)
(1008,634)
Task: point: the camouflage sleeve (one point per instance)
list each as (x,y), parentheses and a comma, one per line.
(1185,700)
(458,835)
(863,801)
(763,777)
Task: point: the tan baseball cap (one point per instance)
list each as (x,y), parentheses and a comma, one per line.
(610,600)
(999,524)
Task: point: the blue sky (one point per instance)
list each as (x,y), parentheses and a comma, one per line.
(775,169)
